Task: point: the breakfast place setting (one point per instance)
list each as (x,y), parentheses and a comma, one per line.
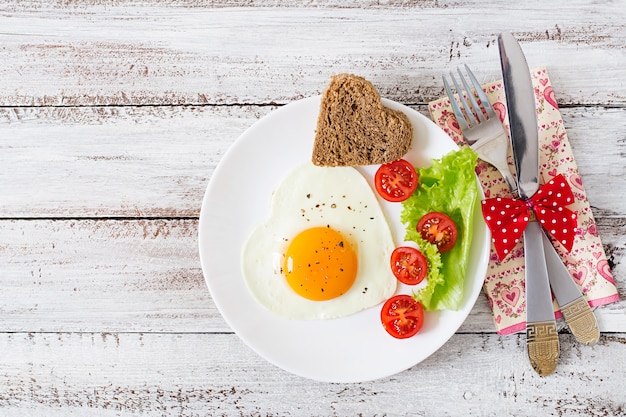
(232,215)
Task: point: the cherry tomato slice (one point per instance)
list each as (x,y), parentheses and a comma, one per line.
(396,181)
(438,229)
(402,316)
(409,265)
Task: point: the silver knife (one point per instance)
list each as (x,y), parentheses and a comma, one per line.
(542,339)
(573,305)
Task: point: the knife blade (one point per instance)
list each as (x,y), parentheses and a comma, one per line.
(541,334)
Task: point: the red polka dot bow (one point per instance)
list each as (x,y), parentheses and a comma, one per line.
(507,217)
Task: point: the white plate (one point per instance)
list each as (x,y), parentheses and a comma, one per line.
(351,349)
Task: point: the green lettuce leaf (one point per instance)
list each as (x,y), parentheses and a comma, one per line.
(448,186)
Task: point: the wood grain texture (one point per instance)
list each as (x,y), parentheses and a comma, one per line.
(190,375)
(144,275)
(59,159)
(128,53)
(105,275)
(114,115)
(156,161)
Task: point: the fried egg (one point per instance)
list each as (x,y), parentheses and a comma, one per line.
(324,251)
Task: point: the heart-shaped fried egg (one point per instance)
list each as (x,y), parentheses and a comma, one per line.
(324,251)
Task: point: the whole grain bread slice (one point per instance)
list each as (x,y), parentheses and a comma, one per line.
(354,128)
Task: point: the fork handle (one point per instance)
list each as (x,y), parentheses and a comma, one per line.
(491,150)
(508,177)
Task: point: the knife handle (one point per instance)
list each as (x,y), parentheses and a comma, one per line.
(542,340)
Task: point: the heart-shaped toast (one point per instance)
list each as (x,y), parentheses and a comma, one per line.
(354,128)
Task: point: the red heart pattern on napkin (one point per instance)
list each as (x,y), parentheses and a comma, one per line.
(556,158)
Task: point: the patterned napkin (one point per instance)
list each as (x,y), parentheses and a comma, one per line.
(587,263)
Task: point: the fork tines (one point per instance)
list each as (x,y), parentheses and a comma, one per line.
(470,115)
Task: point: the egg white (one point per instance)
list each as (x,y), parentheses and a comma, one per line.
(312,196)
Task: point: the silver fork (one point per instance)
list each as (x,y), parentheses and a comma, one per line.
(487,137)
(484,134)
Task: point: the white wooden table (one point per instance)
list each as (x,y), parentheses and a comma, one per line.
(113,116)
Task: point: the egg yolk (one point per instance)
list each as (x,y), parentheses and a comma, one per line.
(320,264)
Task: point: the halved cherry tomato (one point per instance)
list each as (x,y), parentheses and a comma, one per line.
(409,265)
(438,229)
(396,181)
(402,316)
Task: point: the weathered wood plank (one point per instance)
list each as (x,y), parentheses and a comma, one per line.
(113,116)
(156,161)
(146,52)
(103,161)
(191,375)
(106,275)
(144,276)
